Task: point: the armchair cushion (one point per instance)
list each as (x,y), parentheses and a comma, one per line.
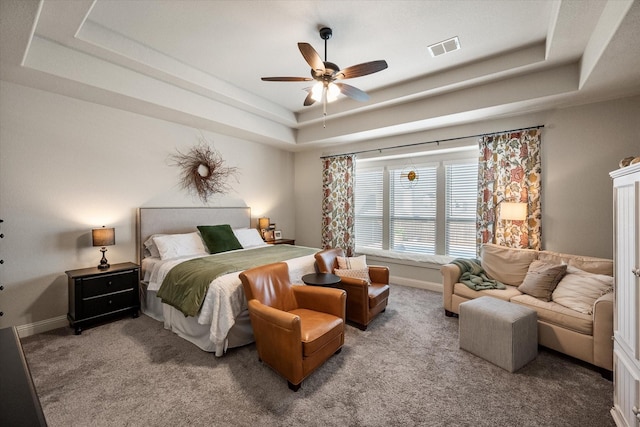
(362,273)
(378,293)
(317,329)
(356,263)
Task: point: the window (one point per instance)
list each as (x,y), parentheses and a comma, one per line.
(433,215)
(461,197)
(412,213)
(368,209)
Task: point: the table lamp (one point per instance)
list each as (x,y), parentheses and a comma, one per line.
(103,237)
(263,225)
(513,211)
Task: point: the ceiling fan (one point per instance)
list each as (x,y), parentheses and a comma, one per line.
(328,75)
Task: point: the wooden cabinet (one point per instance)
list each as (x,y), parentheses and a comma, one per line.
(97,295)
(626,328)
(19,403)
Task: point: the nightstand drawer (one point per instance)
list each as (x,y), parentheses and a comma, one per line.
(106,284)
(104,304)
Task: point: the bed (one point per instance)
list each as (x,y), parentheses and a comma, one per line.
(222,321)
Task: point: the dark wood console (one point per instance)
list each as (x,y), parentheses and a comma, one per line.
(19,403)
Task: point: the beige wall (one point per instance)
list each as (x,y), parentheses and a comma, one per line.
(67,166)
(580,146)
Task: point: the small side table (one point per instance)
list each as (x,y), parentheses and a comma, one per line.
(281,241)
(96,295)
(320,279)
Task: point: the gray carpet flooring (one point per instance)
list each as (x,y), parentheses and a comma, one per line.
(405,369)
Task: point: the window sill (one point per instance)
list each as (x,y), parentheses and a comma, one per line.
(418,260)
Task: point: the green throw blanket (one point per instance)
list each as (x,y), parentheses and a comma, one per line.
(474,276)
(186,285)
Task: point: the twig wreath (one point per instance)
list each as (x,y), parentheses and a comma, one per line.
(203,171)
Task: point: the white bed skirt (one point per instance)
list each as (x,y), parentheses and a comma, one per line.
(189,329)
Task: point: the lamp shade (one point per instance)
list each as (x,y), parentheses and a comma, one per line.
(263,223)
(514,211)
(103,236)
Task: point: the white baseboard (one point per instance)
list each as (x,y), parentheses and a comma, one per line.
(42,326)
(61,321)
(431,286)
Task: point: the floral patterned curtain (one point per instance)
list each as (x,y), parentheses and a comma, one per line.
(509,171)
(337,203)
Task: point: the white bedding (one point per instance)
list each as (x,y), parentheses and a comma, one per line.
(224,302)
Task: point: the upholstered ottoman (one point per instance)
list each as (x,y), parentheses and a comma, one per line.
(503,333)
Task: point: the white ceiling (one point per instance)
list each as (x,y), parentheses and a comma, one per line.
(199,62)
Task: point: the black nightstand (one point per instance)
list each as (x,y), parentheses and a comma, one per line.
(97,295)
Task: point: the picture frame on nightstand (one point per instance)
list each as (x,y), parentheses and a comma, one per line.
(277,234)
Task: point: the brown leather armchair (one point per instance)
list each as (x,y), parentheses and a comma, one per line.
(296,328)
(364,301)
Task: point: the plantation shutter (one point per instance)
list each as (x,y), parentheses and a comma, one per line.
(412,205)
(460,207)
(369,208)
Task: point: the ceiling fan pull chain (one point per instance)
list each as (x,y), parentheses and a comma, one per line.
(324,105)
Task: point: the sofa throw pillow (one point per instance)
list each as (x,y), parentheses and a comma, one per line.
(506,265)
(542,279)
(578,289)
(355,263)
(360,273)
(179,245)
(219,238)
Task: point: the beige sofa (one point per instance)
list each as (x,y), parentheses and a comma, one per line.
(582,331)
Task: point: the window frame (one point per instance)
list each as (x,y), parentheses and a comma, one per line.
(466,153)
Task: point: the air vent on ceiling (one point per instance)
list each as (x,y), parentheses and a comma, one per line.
(445,46)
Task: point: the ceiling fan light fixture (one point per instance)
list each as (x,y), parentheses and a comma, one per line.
(325,73)
(332,92)
(316,91)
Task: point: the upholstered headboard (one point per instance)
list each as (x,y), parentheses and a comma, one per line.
(184,220)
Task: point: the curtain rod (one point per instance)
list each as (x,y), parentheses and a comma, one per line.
(435,141)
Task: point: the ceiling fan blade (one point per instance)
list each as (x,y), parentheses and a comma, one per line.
(352,92)
(311,56)
(287,79)
(309,100)
(361,69)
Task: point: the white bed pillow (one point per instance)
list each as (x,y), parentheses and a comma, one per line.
(150,247)
(352,263)
(178,245)
(249,237)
